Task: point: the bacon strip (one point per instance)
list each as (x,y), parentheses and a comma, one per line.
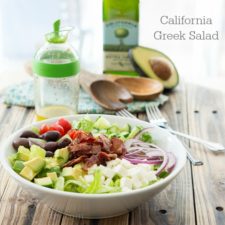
(90,150)
(74,161)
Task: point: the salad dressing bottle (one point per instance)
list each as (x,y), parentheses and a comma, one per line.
(120,19)
(56,69)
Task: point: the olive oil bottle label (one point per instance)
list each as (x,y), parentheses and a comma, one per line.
(117,61)
(119,37)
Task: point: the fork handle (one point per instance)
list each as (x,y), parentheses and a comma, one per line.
(194,161)
(210,145)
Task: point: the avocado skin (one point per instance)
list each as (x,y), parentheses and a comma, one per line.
(142,73)
(135,65)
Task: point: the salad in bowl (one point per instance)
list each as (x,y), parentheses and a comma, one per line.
(90,156)
(79,164)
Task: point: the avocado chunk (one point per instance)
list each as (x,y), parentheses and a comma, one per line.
(36,164)
(72,172)
(44,181)
(37,151)
(50,163)
(46,170)
(18,166)
(53,176)
(61,156)
(68,173)
(23,154)
(78,171)
(28,173)
(154,64)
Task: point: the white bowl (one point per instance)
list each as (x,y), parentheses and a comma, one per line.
(98,205)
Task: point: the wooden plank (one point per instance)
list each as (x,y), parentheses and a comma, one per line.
(118,220)
(175,204)
(44,215)
(68,220)
(207,120)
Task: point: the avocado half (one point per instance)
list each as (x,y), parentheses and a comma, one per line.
(154,64)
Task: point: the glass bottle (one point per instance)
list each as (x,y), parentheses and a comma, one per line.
(56,71)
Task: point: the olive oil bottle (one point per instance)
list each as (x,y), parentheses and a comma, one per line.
(120,19)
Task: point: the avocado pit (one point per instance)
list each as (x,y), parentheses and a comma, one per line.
(161,68)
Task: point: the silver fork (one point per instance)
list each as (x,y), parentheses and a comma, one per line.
(155,116)
(194,161)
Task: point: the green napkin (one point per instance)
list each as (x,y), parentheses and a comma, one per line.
(22,95)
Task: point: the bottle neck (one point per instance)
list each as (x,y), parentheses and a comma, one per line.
(117,9)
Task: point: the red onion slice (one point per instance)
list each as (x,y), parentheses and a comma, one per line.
(163,165)
(138,161)
(148,153)
(172,162)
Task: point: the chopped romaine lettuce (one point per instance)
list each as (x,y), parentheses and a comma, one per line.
(74,186)
(102,124)
(59,184)
(85,124)
(134,131)
(12,158)
(95,184)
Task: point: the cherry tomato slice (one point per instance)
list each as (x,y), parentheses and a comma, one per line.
(44,128)
(65,124)
(73,133)
(57,127)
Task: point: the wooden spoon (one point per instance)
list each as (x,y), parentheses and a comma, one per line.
(141,88)
(110,95)
(106,93)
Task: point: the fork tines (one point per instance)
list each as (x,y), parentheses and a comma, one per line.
(125,113)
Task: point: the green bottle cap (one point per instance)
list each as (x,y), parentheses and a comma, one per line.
(57,36)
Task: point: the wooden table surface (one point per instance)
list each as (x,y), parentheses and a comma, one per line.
(195,197)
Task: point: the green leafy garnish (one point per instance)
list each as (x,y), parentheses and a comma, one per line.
(146,137)
(163,174)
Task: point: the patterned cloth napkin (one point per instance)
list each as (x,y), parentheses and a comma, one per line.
(22,95)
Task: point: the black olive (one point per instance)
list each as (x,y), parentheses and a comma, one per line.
(51,136)
(20,142)
(37,141)
(51,146)
(64,142)
(29,134)
(49,154)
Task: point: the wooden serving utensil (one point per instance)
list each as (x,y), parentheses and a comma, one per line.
(110,95)
(141,88)
(106,93)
